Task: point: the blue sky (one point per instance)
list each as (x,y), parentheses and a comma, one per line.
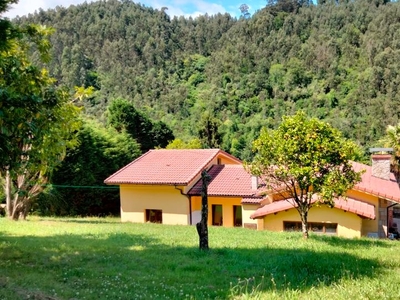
(175,7)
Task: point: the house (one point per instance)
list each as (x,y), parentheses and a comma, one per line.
(164,186)
(365,211)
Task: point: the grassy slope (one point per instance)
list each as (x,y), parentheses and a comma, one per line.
(104,259)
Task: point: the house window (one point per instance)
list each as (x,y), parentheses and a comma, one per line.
(154,215)
(217,215)
(396,212)
(237,216)
(324,228)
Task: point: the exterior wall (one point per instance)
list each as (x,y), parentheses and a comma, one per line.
(247,211)
(227,209)
(383,218)
(369,227)
(135,199)
(349,224)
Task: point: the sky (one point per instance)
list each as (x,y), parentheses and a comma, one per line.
(185,8)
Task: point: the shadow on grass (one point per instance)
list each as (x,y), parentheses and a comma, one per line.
(78,220)
(350,243)
(139,266)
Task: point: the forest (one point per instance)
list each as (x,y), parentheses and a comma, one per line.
(215,81)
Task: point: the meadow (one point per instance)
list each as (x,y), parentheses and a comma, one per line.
(54,258)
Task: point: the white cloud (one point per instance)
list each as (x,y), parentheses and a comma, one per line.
(24,7)
(185,8)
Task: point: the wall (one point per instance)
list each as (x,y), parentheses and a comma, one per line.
(227,208)
(247,211)
(368,226)
(135,199)
(349,224)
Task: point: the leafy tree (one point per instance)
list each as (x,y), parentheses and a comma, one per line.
(392,139)
(305,161)
(123,116)
(78,181)
(37,120)
(179,144)
(209,133)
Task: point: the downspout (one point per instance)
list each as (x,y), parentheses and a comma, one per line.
(387,215)
(190,203)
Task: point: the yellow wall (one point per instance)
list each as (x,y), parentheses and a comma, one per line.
(227,209)
(349,224)
(135,199)
(247,211)
(368,225)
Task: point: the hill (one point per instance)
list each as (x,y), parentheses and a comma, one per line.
(337,60)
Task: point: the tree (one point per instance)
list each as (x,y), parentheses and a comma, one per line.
(305,161)
(201,226)
(392,139)
(37,119)
(123,116)
(179,144)
(78,181)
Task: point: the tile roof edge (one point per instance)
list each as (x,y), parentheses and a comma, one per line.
(107,180)
(377,194)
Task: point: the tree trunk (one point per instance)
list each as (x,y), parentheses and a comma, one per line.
(20,196)
(202,228)
(7,191)
(304,222)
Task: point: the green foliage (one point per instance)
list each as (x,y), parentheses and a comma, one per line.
(78,187)
(124,117)
(37,118)
(335,60)
(179,144)
(305,160)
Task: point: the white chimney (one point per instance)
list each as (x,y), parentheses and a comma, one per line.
(254,183)
(381,162)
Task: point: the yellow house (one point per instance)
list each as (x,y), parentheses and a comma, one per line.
(164,186)
(365,211)
(157,187)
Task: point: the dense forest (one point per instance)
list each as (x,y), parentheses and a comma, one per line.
(218,79)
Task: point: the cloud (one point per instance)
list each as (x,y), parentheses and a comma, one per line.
(24,7)
(187,8)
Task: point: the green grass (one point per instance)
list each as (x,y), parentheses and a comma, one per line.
(50,258)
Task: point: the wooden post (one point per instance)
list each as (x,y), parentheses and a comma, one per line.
(202,228)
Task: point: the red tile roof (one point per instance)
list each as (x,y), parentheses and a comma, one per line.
(387,189)
(251,200)
(167,167)
(348,204)
(227,180)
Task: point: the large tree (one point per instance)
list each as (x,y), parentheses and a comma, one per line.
(123,116)
(305,161)
(77,183)
(37,119)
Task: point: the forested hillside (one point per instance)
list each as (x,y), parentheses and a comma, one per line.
(220,79)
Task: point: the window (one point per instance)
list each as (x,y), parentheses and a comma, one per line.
(154,215)
(237,216)
(217,215)
(396,212)
(324,228)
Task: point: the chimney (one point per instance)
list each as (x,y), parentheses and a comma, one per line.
(381,162)
(254,183)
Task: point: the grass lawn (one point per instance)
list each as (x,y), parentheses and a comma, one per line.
(52,258)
